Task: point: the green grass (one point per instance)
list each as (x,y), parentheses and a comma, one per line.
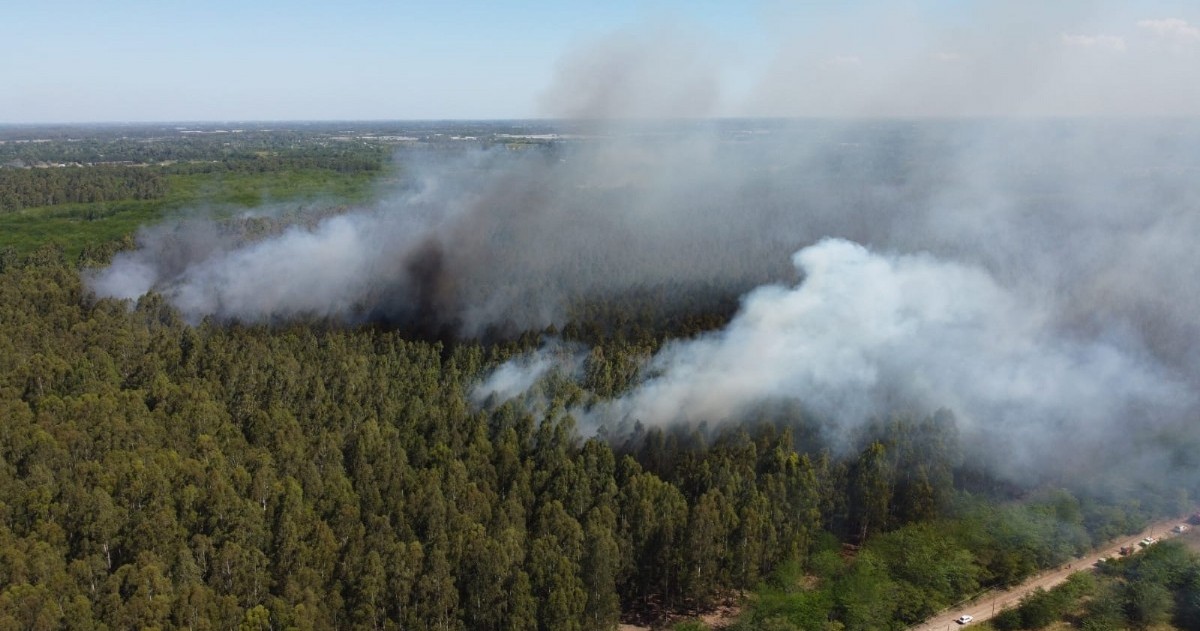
(76,226)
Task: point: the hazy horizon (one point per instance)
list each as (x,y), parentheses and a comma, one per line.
(225,61)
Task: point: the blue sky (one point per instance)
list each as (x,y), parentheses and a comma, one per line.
(358,59)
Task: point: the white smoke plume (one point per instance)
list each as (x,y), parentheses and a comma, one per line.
(511,379)
(1096,221)
(317,272)
(519,375)
(482,241)
(864,335)
(1037,276)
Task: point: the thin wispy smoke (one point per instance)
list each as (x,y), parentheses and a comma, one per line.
(646,73)
(997,59)
(512,378)
(519,376)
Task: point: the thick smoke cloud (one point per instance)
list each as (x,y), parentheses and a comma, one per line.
(1094,220)
(320,272)
(480,242)
(867,336)
(1037,277)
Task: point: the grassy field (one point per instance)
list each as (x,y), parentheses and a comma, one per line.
(76,226)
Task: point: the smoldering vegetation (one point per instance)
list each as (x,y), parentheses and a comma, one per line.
(1098,217)
(1035,277)
(483,242)
(867,337)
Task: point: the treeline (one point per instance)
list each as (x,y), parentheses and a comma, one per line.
(151,145)
(342,158)
(26,188)
(35,187)
(343,147)
(310,476)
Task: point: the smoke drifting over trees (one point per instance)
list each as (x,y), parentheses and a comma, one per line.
(1025,274)
(1095,219)
(1029,274)
(865,336)
(777,336)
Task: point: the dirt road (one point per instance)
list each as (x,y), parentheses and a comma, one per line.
(992,603)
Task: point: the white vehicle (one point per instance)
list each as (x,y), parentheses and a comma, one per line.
(963,619)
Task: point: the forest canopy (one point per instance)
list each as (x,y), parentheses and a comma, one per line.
(163,466)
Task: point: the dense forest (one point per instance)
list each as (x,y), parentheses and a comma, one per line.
(22,188)
(313,473)
(158,475)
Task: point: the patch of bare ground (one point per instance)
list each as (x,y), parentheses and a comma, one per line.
(724,615)
(720,614)
(808,582)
